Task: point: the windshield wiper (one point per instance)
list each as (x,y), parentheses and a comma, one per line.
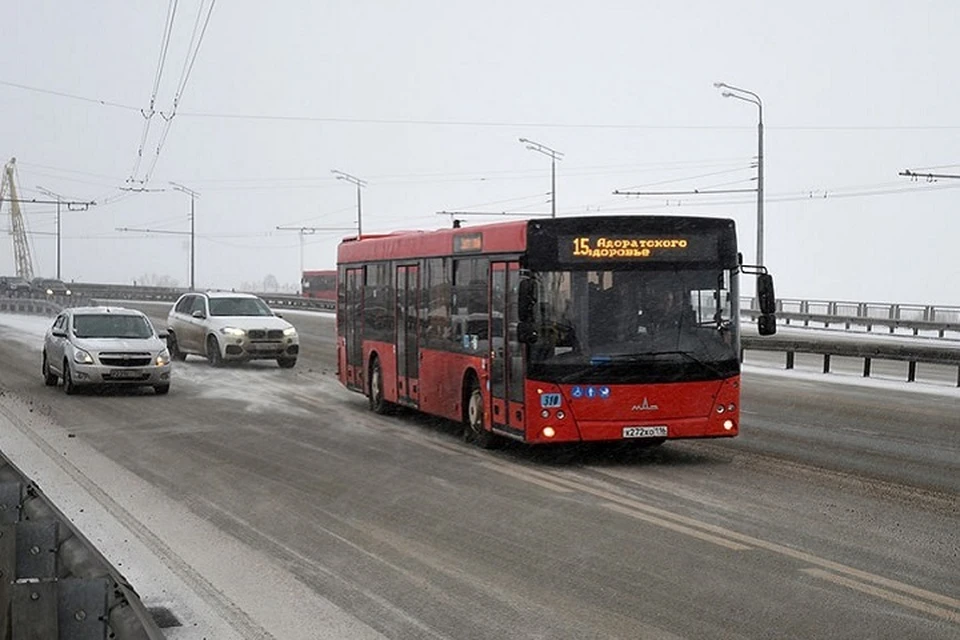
(640,357)
(692,357)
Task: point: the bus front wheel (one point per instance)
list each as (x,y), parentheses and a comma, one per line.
(473,430)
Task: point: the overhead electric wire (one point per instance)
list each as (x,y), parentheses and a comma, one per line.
(72,96)
(161,63)
(192,52)
(501,123)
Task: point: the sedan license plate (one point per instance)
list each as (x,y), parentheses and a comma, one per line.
(126,373)
(645,432)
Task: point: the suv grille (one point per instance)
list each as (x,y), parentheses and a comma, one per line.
(264,334)
(125,359)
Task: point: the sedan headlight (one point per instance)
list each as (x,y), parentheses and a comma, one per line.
(290,331)
(233,331)
(49,292)
(163,358)
(69,293)
(82,357)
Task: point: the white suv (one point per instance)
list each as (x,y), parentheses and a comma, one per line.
(221,326)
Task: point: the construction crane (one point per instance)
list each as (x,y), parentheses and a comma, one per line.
(21,248)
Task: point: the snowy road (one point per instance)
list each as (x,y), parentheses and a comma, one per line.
(260,503)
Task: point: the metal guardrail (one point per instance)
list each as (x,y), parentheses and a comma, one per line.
(869,351)
(940,328)
(167,294)
(54,584)
(889,315)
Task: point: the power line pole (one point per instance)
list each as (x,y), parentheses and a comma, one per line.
(193,237)
(554,155)
(360,183)
(306,231)
(70,207)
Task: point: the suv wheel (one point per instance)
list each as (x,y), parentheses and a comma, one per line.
(213,352)
(174,348)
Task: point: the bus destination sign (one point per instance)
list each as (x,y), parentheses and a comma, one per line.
(468,243)
(586,248)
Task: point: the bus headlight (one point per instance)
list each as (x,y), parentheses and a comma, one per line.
(728,424)
(548,432)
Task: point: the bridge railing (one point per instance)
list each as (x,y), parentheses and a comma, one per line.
(55,583)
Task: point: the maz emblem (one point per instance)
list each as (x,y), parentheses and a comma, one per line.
(646,406)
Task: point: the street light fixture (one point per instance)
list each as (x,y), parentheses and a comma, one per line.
(554,155)
(359,183)
(752,98)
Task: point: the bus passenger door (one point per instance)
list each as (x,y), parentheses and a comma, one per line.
(506,353)
(408,288)
(353,334)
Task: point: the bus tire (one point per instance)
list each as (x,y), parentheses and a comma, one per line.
(473,430)
(377,402)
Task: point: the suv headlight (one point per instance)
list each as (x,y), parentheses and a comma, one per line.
(290,331)
(233,331)
(82,357)
(49,292)
(163,358)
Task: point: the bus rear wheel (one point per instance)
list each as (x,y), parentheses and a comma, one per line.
(377,402)
(473,430)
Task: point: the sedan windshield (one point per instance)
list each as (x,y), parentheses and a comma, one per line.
(108,325)
(239,307)
(618,325)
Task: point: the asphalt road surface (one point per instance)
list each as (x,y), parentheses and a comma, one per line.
(835,514)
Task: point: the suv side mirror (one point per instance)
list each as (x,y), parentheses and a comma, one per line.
(199,314)
(768,302)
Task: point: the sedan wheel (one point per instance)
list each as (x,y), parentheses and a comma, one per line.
(50,379)
(69,387)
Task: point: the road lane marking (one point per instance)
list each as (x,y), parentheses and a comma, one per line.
(660,522)
(879,592)
(751,541)
(546,484)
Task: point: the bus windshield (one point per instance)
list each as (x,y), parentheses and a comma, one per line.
(635,325)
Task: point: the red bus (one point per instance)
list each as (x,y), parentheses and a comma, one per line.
(551,330)
(321,284)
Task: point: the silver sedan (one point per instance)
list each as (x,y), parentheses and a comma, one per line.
(105,345)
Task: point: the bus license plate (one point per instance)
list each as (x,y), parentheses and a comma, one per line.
(645,432)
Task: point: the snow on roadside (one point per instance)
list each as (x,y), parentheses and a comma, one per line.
(853,380)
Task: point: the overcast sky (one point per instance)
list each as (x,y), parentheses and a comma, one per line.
(426,100)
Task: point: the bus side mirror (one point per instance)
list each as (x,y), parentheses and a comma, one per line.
(527,333)
(527,300)
(768,302)
(767,324)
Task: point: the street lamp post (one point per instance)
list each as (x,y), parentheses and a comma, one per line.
(554,155)
(193,236)
(752,98)
(359,183)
